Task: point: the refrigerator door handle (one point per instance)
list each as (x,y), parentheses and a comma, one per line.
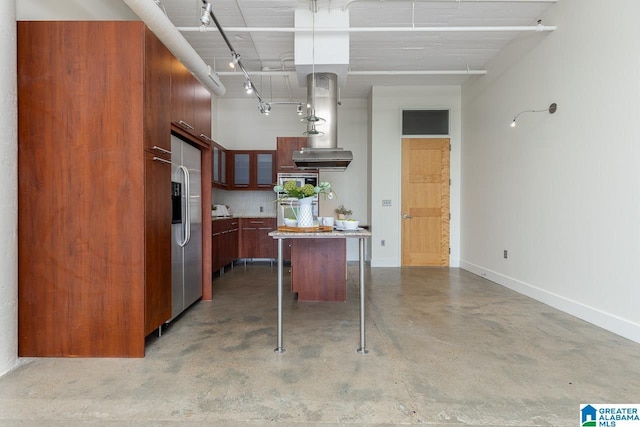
(187,210)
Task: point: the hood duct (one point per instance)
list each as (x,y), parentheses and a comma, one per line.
(322,151)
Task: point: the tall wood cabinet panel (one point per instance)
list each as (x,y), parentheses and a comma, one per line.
(93,250)
(182,87)
(190,102)
(202,113)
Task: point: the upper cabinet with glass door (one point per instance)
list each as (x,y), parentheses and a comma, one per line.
(218,166)
(252,170)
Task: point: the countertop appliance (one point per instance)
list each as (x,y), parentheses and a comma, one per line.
(186,228)
(220,210)
(288,207)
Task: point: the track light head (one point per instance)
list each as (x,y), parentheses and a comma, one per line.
(248,87)
(299,109)
(234,59)
(205,18)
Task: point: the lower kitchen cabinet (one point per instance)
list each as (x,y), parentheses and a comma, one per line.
(255,241)
(225,233)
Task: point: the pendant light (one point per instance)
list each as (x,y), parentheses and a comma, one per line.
(312,119)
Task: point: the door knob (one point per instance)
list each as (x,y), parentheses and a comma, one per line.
(406,216)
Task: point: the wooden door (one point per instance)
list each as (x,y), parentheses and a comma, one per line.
(425,202)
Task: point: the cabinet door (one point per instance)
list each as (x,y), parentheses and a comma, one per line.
(223,167)
(202,110)
(157,84)
(285,148)
(267,245)
(216,252)
(157,245)
(233,242)
(241,169)
(215,167)
(265,170)
(182,87)
(249,244)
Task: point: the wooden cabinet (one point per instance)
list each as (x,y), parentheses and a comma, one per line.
(157,236)
(255,241)
(219,166)
(190,102)
(94,210)
(252,170)
(286,145)
(319,269)
(202,114)
(224,242)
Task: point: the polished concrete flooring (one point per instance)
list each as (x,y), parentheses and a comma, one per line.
(446,347)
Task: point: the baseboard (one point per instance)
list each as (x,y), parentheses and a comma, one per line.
(607,321)
(384,262)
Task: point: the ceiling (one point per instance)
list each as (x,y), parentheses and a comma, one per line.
(265,54)
(391,42)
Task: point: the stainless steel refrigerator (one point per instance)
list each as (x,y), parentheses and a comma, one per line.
(186,228)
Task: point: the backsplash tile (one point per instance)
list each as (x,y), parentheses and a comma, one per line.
(246,203)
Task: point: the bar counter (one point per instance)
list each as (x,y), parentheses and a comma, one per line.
(360,234)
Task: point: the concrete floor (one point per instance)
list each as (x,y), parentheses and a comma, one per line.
(446,347)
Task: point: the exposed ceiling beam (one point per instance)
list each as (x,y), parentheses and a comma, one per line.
(519,28)
(363,73)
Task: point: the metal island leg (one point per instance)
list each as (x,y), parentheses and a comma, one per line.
(363,348)
(279,348)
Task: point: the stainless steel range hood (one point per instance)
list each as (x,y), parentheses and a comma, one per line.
(322,151)
(330,159)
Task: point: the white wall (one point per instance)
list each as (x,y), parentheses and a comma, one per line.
(239,125)
(560,192)
(387,104)
(9,202)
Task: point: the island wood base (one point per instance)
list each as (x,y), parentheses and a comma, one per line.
(319,269)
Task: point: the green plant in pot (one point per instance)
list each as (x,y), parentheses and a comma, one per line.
(342,212)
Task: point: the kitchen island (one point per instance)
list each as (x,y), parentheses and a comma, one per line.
(314,249)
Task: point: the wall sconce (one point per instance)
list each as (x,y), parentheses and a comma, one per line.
(552,109)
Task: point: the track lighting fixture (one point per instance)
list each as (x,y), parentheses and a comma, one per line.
(552,109)
(234,60)
(299,109)
(248,86)
(205,18)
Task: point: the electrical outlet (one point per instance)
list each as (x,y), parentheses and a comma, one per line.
(382,243)
(386,202)
(505,254)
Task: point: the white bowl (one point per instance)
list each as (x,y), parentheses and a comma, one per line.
(339,223)
(290,222)
(350,224)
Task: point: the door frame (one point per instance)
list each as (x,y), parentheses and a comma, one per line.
(445,209)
